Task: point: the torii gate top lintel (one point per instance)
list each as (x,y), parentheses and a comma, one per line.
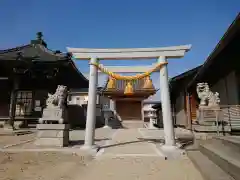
(129,53)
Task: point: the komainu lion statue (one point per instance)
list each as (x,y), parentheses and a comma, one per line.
(58,98)
(206,96)
(55,110)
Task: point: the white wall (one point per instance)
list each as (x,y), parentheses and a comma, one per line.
(79,99)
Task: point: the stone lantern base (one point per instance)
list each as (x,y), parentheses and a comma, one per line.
(151,124)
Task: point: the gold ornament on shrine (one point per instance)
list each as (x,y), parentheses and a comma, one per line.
(111,83)
(129,89)
(148,83)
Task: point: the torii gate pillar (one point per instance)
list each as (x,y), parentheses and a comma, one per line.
(91,108)
(166,105)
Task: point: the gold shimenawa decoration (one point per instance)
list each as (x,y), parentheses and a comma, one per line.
(128,89)
(111,83)
(128,78)
(148,83)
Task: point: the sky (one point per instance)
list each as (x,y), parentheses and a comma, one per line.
(120,24)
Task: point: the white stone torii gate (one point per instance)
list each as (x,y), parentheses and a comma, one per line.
(162,54)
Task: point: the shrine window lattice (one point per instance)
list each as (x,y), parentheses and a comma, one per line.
(24,106)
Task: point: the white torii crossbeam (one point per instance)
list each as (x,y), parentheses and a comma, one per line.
(128,69)
(129,53)
(161,54)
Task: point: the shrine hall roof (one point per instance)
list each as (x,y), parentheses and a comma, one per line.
(37,54)
(36,50)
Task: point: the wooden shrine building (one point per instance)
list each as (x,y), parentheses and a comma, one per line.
(128,97)
(181,99)
(221,71)
(28,73)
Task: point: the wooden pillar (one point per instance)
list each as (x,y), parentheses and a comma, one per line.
(193,108)
(9,124)
(188,108)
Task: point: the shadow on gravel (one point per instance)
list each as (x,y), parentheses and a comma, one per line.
(81,142)
(16,133)
(182,141)
(121,144)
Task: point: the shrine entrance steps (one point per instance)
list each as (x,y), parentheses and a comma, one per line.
(132,124)
(217,158)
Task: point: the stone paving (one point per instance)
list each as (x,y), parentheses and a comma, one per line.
(183,137)
(128,141)
(159,133)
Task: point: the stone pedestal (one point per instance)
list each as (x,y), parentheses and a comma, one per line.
(106,114)
(54,114)
(52,135)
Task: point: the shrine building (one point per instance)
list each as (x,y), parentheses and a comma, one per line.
(28,73)
(128,99)
(221,70)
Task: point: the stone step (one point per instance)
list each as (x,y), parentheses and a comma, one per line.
(207,123)
(132,124)
(212,122)
(235,124)
(230,141)
(201,128)
(226,157)
(207,168)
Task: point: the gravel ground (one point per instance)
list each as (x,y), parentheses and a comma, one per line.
(30,165)
(76,139)
(41,166)
(13,139)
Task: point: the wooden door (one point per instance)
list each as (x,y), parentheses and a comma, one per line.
(193,106)
(129,110)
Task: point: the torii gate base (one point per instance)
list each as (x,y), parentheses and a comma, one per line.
(138,53)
